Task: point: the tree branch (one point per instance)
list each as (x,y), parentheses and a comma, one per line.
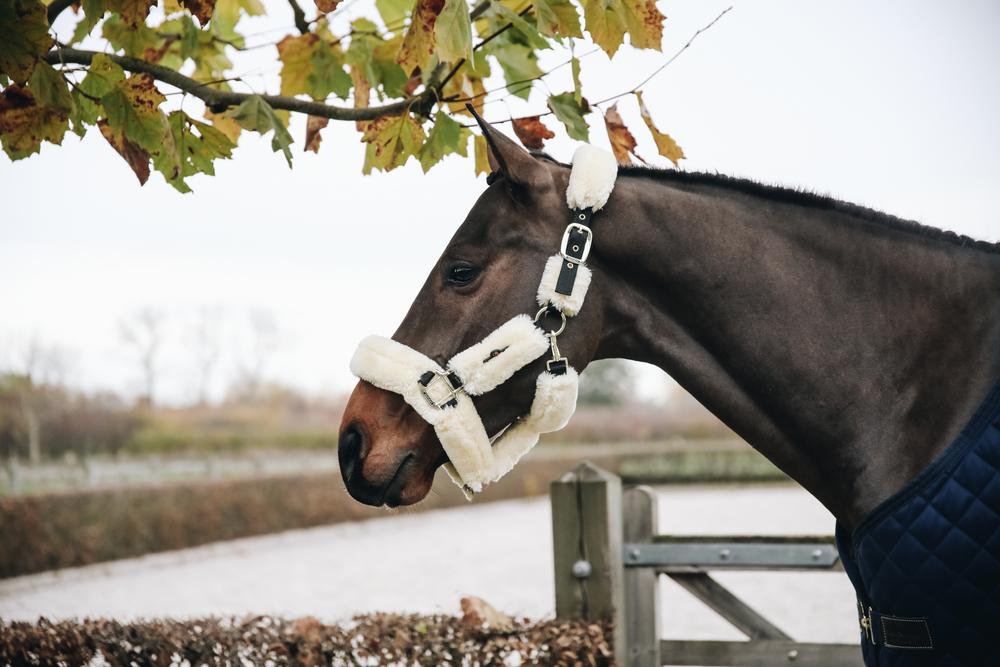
(56,8)
(299,16)
(219,100)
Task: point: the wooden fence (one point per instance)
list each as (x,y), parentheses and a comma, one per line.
(608,557)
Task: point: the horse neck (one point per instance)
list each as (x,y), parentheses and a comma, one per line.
(847,350)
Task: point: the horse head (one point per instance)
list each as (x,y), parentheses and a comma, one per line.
(488,274)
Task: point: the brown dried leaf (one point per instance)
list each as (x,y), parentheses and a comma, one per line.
(133,12)
(201,9)
(313,137)
(622,141)
(327,6)
(665,144)
(362,90)
(137,158)
(531,132)
(480,616)
(25,124)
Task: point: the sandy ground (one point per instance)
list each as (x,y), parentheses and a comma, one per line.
(425,562)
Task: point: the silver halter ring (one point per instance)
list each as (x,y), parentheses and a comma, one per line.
(545,309)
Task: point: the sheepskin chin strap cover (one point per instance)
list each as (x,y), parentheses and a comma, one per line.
(474,460)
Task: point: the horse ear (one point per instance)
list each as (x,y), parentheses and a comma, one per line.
(507,158)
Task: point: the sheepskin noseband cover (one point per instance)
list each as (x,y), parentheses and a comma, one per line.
(442,396)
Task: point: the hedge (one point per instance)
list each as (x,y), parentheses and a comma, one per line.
(377,639)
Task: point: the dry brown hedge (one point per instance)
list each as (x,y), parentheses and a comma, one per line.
(47,532)
(374,639)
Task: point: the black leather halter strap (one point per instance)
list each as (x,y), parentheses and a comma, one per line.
(575,248)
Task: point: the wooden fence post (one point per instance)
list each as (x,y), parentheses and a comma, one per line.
(641,585)
(587,541)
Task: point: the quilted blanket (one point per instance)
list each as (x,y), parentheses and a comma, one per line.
(926,562)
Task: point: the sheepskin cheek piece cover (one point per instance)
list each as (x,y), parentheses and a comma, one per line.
(474,460)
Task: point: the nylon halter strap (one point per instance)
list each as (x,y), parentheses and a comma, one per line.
(442,396)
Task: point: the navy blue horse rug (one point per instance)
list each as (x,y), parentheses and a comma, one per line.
(926,562)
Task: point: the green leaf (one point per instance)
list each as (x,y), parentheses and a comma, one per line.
(393,12)
(446,137)
(574,66)
(25,124)
(570,113)
(391,141)
(528,31)
(453,31)
(24,37)
(198,146)
(102,77)
(257,115)
(133,40)
(328,74)
(93,12)
(520,65)
(132,107)
(49,88)
(605,21)
(558,18)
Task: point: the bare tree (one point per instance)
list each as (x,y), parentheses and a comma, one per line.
(143,332)
(36,365)
(264,335)
(206,347)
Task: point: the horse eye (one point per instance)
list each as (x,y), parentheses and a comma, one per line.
(461,274)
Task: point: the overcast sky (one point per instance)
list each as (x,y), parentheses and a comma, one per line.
(889,104)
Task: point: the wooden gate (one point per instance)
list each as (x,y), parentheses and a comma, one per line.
(608,558)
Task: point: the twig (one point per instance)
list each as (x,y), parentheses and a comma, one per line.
(218,100)
(299,17)
(641,83)
(56,8)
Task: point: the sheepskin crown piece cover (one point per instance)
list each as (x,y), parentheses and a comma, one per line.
(474,459)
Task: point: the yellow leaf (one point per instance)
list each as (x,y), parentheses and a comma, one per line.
(391,141)
(419,42)
(665,144)
(295,53)
(558,18)
(605,21)
(25,124)
(482,155)
(224,124)
(453,31)
(362,91)
(645,23)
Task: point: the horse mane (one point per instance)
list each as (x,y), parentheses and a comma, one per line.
(806,198)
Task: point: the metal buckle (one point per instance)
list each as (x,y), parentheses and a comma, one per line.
(450,392)
(564,246)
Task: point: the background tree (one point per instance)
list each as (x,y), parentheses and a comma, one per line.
(143,332)
(607,382)
(206,346)
(403,75)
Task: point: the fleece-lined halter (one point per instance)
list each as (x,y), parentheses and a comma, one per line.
(443,396)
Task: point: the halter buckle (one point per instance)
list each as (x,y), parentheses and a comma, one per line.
(581,257)
(440,388)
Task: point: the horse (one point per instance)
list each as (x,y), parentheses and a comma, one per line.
(850,347)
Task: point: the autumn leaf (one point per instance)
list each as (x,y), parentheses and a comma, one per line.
(605,21)
(481,150)
(446,137)
(136,157)
(558,18)
(645,23)
(531,132)
(295,53)
(200,9)
(362,92)
(224,124)
(132,107)
(665,144)
(570,113)
(453,31)
(326,6)
(24,37)
(25,124)
(134,12)
(257,115)
(313,137)
(622,142)
(391,141)
(419,42)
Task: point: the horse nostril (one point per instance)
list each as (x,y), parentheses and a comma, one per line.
(349,450)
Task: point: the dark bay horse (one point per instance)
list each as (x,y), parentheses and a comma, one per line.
(848,346)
